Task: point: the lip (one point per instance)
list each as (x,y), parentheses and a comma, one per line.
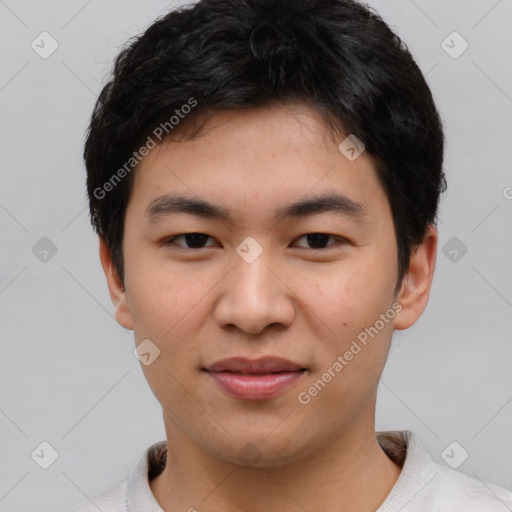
(256,379)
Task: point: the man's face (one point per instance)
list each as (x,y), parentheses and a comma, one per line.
(256,285)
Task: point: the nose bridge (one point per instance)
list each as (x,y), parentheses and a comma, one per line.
(254,281)
(252,295)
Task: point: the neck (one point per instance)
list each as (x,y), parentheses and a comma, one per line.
(350,473)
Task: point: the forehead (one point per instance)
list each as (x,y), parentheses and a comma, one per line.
(257,160)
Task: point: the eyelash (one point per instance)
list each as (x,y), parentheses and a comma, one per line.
(171,241)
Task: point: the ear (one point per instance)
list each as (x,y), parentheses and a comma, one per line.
(415,290)
(115,287)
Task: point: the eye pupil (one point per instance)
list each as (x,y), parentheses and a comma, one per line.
(316,239)
(195,240)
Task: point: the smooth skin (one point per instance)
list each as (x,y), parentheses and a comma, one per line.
(203,303)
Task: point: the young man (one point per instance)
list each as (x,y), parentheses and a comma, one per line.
(264,178)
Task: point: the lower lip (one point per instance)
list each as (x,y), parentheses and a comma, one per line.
(255,387)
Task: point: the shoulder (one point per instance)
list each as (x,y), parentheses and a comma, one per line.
(466,494)
(112,499)
(133,493)
(428,486)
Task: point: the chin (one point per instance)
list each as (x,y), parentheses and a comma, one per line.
(261,451)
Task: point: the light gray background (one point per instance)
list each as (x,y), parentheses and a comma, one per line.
(68,374)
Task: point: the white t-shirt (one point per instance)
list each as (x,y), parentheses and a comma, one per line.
(423,485)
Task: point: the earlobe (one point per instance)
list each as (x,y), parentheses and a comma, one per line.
(415,290)
(115,286)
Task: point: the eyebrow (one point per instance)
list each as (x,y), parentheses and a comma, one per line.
(166,205)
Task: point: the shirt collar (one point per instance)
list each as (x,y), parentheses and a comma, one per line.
(418,468)
(138,492)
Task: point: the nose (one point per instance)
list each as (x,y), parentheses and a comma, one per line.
(255,296)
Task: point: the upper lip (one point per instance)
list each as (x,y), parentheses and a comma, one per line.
(262,365)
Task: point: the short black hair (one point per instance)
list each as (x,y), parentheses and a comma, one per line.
(337,55)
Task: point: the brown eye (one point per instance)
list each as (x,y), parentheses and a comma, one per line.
(318,240)
(192,240)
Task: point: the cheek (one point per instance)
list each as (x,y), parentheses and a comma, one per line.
(167,309)
(161,294)
(348,302)
(350,359)
(350,296)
